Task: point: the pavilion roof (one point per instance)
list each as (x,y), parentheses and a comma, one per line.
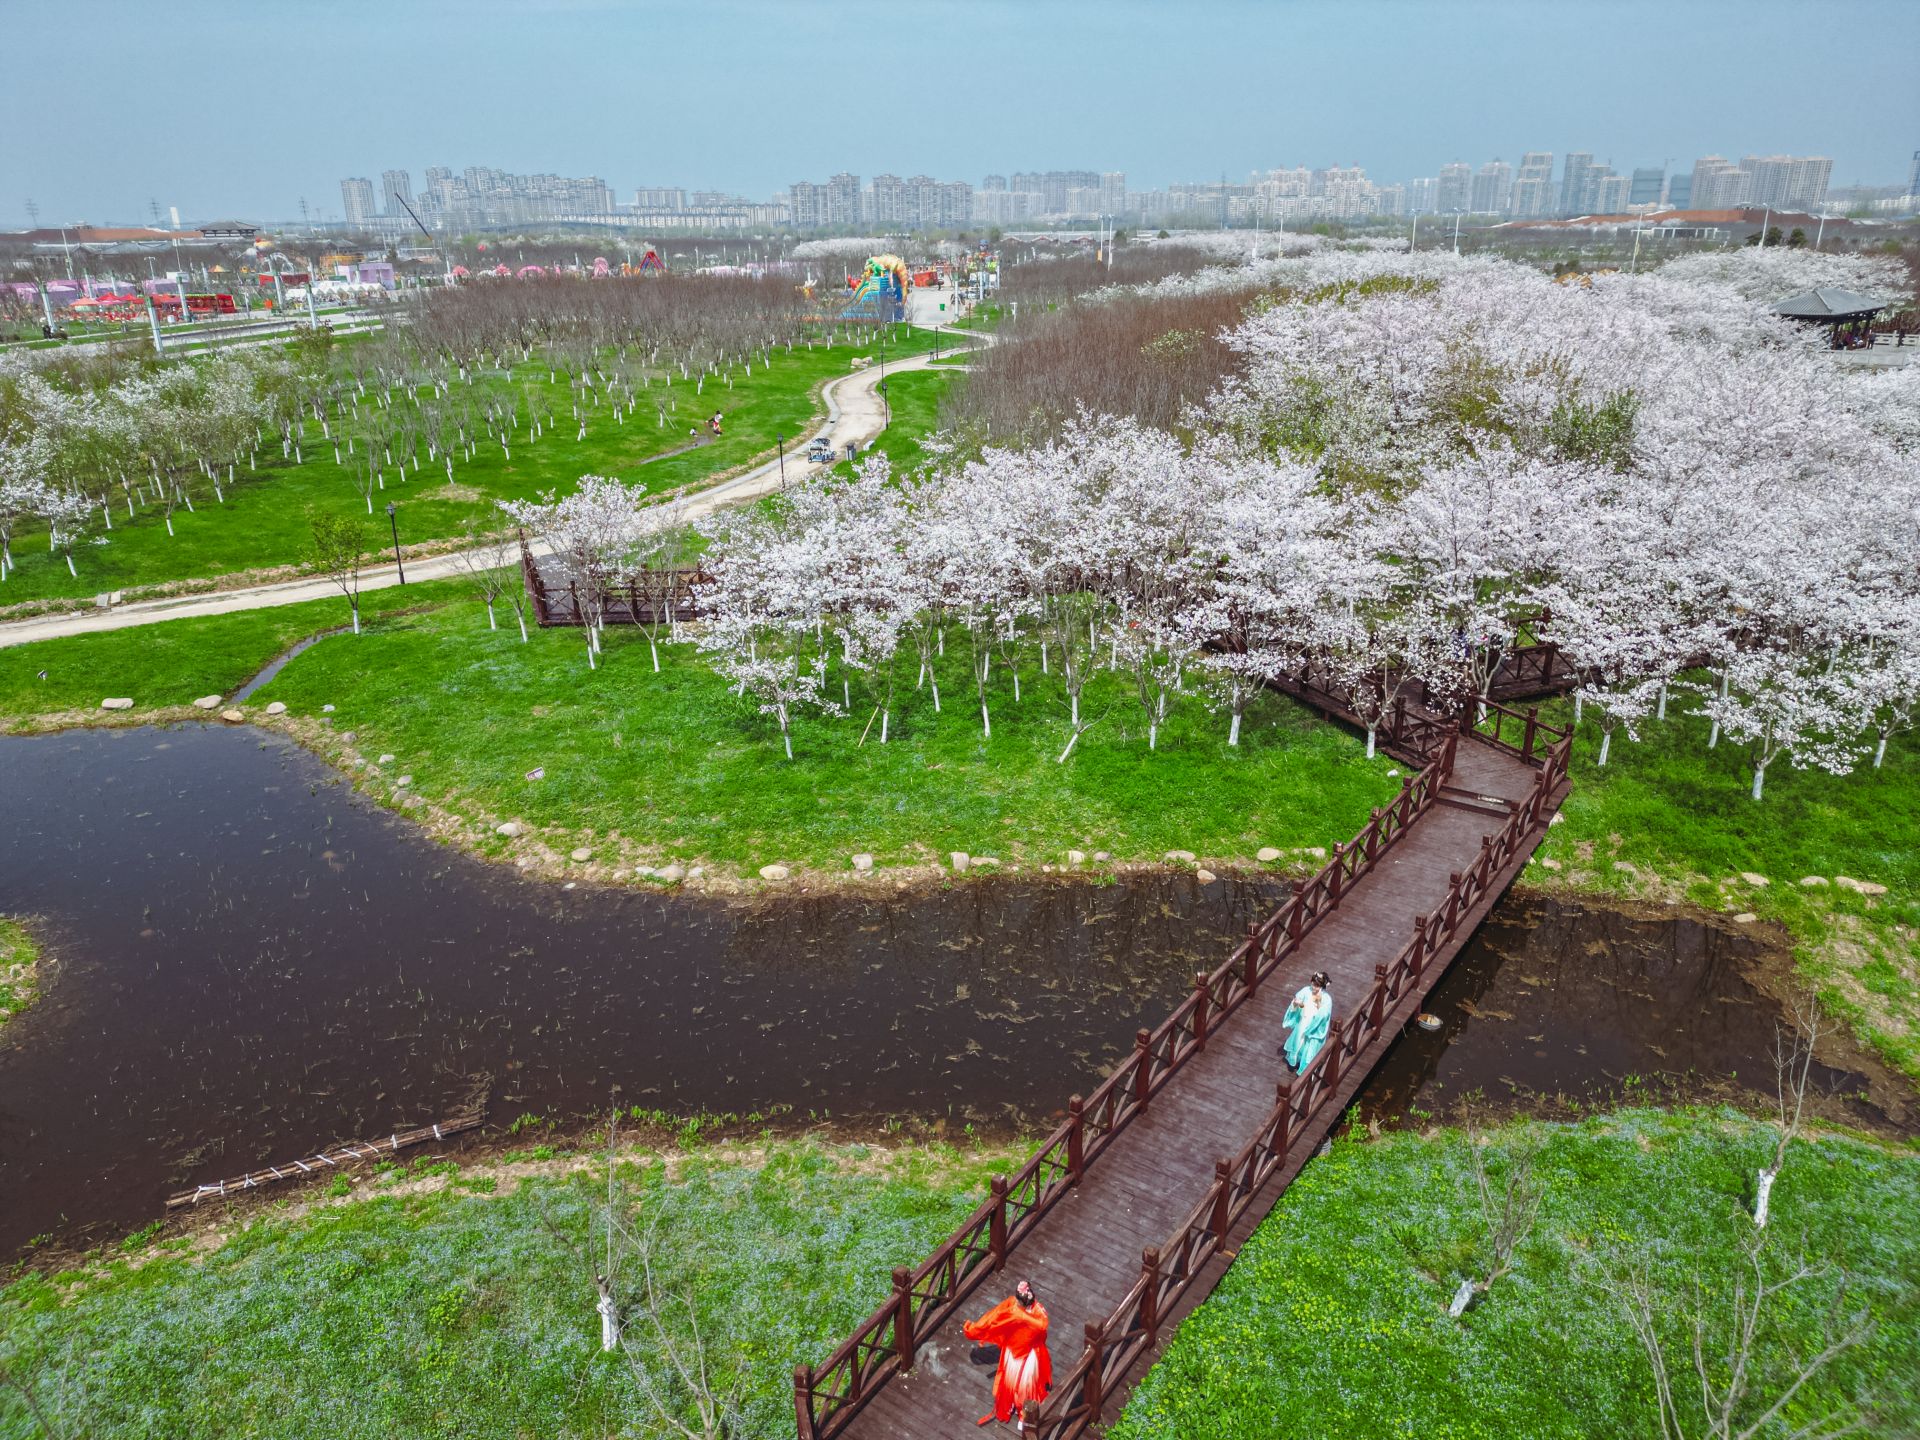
(1827,304)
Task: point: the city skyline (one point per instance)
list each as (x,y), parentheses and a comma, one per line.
(1259,86)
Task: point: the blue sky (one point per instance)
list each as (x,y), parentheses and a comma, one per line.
(243,109)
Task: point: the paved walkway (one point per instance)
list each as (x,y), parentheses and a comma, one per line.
(855,415)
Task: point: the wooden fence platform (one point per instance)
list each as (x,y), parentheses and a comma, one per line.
(1129,1213)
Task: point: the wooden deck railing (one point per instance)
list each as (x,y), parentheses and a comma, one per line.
(826,1397)
(1167,1271)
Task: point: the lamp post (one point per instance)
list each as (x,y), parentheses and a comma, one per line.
(781,441)
(394,523)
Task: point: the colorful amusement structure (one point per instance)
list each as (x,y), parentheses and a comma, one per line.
(881,292)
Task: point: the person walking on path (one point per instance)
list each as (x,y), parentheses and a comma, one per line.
(1017,1329)
(1308,1018)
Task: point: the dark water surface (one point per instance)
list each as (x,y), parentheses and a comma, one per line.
(251,962)
(1555,1007)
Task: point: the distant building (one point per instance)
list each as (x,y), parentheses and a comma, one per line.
(1456,188)
(1423,196)
(396,192)
(1649,187)
(356,200)
(807,205)
(843,199)
(1576,184)
(1680,191)
(1718,184)
(1610,194)
(1533,192)
(1492,188)
(659,197)
(1913,175)
(1787,181)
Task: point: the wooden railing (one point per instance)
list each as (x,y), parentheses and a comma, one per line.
(827,1397)
(1167,1271)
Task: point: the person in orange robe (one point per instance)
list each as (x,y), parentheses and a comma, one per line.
(1018,1325)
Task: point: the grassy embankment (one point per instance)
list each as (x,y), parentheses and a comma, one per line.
(1333,1320)
(263,524)
(657,768)
(1679,816)
(19,978)
(451,1303)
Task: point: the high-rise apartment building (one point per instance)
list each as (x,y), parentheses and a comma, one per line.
(993,182)
(1610,193)
(1788,182)
(660,197)
(1492,188)
(396,192)
(806,205)
(843,199)
(1913,175)
(1423,195)
(1719,184)
(1576,183)
(1533,192)
(1649,186)
(356,200)
(887,200)
(1680,190)
(1113,191)
(1456,187)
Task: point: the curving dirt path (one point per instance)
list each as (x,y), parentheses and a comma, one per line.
(855,416)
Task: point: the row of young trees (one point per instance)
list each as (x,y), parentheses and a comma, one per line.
(85,437)
(1414,468)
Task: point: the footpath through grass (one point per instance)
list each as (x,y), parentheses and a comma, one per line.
(1333,1320)
(263,523)
(469,1310)
(1668,816)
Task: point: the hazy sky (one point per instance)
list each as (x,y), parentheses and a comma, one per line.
(237,108)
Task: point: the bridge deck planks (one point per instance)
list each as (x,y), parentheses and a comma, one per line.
(1085,1252)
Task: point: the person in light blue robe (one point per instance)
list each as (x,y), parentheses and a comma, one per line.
(1308,1018)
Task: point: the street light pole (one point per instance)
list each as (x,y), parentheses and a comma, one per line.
(395,524)
(781,441)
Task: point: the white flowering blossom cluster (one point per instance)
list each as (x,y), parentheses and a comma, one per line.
(1417,461)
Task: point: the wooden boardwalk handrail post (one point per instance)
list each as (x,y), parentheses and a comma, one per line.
(1533,726)
(1419,945)
(1076,1139)
(1335,1031)
(1283,1102)
(1142,1067)
(803,1402)
(1293,911)
(1379,996)
(1222,1200)
(1150,1296)
(1096,1356)
(1200,1006)
(1333,869)
(997,1225)
(903,1315)
(1373,837)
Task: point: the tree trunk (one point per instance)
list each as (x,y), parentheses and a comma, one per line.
(1371,737)
(655,649)
(986,724)
(1880,752)
(356,616)
(493,621)
(1233,730)
(1606,743)
(523,627)
(1763,1196)
(1759,779)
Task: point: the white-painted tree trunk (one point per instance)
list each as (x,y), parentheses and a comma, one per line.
(1880,752)
(884,717)
(1579,705)
(1233,730)
(356,617)
(1660,711)
(986,722)
(934,683)
(493,622)
(655,650)
(1153,734)
(1606,743)
(523,627)
(1759,779)
(1371,739)
(1763,1197)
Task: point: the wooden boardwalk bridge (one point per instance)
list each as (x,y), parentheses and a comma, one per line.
(1128,1215)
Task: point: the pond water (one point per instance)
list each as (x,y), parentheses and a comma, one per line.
(251,962)
(1556,1007)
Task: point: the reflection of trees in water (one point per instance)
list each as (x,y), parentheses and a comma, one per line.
(1556,1000)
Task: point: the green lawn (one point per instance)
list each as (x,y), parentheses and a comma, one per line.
(1333,1319)
(463,1313)
(683,770)
(18,979)
(165,666)
(1680,815)
(263,523)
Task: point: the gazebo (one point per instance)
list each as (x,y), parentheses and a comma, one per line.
(1848,313)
